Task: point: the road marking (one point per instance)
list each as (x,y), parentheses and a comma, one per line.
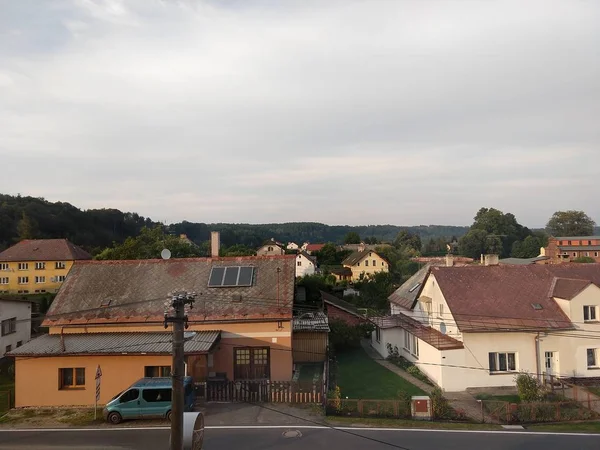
(288,427)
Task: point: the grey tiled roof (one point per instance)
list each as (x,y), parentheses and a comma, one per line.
(135,291)
(115,343)
(316,321)
(406,295)
(522,261)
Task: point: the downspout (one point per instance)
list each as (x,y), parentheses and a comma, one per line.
(537,357)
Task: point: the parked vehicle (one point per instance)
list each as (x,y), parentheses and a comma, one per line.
(147,398)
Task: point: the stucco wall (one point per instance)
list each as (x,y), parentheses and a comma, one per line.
(22,312)
(306,267)
(380,266)
(49,272)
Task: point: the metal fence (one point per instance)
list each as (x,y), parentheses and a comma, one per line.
(535,412)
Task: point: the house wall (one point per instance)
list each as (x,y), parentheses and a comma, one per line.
(270,250)
(309,346)
(38,378)
(304,266)
(393,336)
(335,313)
(360,268)
(444,322)
(21,311)
(13,273)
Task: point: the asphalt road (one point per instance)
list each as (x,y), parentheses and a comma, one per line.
(295,438)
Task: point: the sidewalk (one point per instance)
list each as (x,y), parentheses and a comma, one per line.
(458,400)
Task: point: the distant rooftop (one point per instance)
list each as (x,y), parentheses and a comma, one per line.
(44,250)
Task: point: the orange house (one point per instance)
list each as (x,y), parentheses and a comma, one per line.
(111,314)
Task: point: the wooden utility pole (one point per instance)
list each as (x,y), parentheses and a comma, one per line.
(178,303)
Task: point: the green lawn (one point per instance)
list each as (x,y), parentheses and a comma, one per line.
(360,377)
(594,390)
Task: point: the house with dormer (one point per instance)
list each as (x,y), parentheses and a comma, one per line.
(477,326)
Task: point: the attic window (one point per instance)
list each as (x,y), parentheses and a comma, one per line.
(414,288)
(105,303)
(537,306)
(231,276)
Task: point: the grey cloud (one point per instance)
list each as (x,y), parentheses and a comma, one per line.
(340,111)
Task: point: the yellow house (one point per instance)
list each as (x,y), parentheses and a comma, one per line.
(36,266)
(111,314)
(364,263)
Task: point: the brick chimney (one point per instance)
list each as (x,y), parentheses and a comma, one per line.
(215,243)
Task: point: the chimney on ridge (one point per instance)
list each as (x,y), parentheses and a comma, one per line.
(449,260)
(215,244)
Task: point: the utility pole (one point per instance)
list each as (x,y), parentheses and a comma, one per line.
(177,304)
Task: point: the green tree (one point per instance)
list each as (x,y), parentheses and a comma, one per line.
(374,290)
(407,239)
(473,244)
(570,223)
(528,248)
(503,226)
(314,284)
(27,228)
(584,260)
(328,255)
(237,250)
(352,238)
(149,244)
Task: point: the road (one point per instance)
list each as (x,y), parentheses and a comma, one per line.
(294,438)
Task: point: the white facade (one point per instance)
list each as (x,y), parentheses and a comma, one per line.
(15,329)
(270,249)
(304,265)
(571,353)
(292,246)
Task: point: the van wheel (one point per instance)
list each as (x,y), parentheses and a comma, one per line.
(168,416)
(114,418)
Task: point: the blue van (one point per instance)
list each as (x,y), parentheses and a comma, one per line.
(147,398)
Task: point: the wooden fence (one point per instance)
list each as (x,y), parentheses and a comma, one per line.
(263,392)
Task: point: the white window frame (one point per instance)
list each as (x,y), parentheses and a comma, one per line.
(4,280)
(4,266)
(592,313)
(497,362)
(378,334)
(61,278)
(39,280)
(406,344)
(60,265)
(23,280)
(596,354)
(441,310)
(40,266)
(411,343)
(23,266)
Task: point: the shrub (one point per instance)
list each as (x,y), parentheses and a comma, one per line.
(440,405)
(334,400)
(528,387)
(344,336)
(414,371)
(404,405)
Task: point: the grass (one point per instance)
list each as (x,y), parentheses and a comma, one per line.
(582,427)
(360,377)
(399,423)
(594,390)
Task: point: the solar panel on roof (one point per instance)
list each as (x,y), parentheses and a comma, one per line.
(231,276)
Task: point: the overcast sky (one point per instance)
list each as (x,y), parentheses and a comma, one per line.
(343,112)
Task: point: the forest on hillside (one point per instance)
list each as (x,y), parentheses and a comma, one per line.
(95,229)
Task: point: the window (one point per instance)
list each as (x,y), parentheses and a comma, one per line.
(9,326)
(299,263)
(157,371)
(3,266)
(378,334)
(19,343)
(60,265)
(592,360)
(23,266)
(8,348)
(406,340)
(502,362)
(589,313)
(587,253)
(157,395)
(40,265)
(23,280)
(382,263)
(411,343)
(374,263)
(366,262)
(130,396)
(270,249)
(441,310)
(596,254)
(61,278)
(40,279)
(251,363)
(574,253)
(3,280)
(71,378)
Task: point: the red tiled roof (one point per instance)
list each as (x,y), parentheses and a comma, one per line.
(314,247)
(138,289)
(568,288)
(44,250)
(427,334)
(501,297)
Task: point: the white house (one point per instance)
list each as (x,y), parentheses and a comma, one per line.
(305,264)
(15,324)
(292,246)
(477,326)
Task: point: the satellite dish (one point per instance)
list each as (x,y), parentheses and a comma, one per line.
(165,254)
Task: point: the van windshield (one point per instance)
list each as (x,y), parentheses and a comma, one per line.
(116,396)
